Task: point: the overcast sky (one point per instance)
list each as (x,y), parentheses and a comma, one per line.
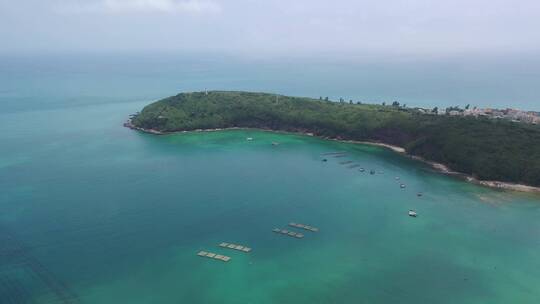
(298,27)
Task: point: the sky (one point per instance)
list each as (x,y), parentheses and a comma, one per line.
(273,27)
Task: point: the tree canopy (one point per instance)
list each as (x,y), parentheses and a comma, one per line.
(485,148)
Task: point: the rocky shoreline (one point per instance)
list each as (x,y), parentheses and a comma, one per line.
(441,168)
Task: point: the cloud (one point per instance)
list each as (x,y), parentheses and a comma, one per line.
(274,27)
(139,6)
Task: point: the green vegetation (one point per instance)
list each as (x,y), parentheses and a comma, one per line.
(485,148)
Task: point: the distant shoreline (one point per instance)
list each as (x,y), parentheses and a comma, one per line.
(438,167)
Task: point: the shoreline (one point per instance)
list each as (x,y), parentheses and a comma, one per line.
(438,167)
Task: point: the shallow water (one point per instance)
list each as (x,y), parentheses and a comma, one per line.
(96,213)
(119,217)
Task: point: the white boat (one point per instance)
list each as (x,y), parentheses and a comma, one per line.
(249,138)
(412,213)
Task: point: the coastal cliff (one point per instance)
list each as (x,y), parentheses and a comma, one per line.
(484,149)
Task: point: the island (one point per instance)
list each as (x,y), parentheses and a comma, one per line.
(493,152)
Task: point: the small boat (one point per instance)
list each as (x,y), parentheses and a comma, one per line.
(372,172)
(275,143)
(249,138)
(402,186)
(397,177)
(419,194)
(412,213)
(324,159)
(362,170)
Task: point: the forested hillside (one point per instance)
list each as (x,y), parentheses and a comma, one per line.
(485,148)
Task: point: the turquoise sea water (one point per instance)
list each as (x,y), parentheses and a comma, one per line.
(49,81)
(91,212)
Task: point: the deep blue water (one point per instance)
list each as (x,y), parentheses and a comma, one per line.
(48,81)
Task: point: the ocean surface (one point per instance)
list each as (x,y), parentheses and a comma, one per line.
(91,212)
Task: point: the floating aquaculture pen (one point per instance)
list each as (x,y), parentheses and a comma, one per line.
(302,226)
(288,233)
(334,153)
(235,247)
(214,256)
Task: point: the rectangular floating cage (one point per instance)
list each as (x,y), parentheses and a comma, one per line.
(302,226)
